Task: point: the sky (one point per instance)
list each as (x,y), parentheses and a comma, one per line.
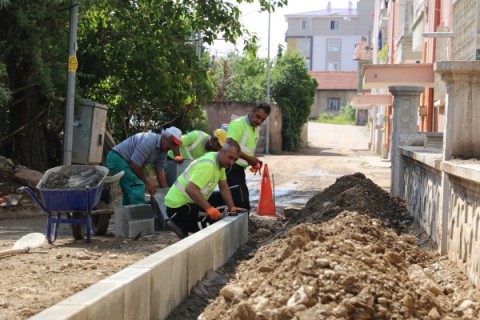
(258,22)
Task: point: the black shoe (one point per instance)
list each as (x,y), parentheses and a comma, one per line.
(173,227)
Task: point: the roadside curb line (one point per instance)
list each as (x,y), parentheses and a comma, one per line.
(152,287)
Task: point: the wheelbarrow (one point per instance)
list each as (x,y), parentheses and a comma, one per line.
(77,189)
(103,211)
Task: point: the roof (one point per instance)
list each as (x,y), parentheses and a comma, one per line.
(325,13)
(336,80)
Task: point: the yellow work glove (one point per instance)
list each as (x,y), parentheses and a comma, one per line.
(213,213)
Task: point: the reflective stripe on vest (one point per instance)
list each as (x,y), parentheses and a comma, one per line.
(193,146)
(206,192)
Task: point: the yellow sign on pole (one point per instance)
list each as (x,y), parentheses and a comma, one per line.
(72,63)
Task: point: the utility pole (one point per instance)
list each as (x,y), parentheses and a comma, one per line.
(72,69)
(267,138)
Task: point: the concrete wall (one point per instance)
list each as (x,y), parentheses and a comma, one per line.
(219,113)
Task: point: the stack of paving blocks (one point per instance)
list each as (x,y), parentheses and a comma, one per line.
(133,220)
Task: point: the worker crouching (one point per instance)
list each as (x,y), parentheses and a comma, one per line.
(188,198)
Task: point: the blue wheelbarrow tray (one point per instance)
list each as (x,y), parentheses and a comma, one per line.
(68,200)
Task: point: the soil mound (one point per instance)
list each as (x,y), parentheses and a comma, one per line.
(346,255)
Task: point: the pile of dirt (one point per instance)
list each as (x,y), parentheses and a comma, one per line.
(351,253)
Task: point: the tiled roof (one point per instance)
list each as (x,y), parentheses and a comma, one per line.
(336,80)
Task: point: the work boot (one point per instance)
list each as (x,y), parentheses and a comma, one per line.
(178,231)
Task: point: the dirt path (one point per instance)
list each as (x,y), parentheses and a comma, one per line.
(34,281)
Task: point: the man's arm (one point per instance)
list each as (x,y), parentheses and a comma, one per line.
(226,194)
(161,178)
(251,160)
(195,194)
(141,175)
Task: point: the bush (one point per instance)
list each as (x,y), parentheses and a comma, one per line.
(346,116)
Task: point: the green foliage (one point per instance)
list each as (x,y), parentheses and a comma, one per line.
(294,91)
(140,58)
(33,69)
(346,116)
(245,78)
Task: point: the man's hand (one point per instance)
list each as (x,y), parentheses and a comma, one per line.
(178,159)
(213,213)
(233,211)
(150,188)
(256,167)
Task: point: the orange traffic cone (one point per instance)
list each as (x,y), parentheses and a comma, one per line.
(266,207)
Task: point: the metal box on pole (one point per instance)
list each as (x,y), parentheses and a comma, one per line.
(88,132)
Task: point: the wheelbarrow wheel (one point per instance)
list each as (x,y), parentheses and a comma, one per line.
(78,230)
(100,223)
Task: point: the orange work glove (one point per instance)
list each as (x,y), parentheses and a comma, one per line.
(213,213)
(178,159)
(256,168)
(233,211)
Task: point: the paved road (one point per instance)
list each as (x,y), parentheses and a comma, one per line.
(335,136)
(333,151)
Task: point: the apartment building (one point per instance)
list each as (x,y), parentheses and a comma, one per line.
(327,37)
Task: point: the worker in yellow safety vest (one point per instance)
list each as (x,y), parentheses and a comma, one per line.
(245,131)
(196,143)
(189,196)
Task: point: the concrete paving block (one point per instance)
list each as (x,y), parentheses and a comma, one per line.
(145,226)
(221,245)
(62,312)
(102,301)
(169,285)
(199,257)
(159,208)
(136,286)
(130,220)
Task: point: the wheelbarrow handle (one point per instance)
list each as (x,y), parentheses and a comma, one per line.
(33,196)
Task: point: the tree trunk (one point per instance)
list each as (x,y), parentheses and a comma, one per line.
(30,146)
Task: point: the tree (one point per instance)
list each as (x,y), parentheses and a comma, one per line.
(137,57)
(294,91)
(33,38)
(241,78)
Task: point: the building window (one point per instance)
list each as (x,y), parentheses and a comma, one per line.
(333,104)
(333,45)
(333,66)
(334,24)
(304,46)
(305,24)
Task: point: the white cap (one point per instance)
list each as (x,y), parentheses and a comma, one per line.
(176,134)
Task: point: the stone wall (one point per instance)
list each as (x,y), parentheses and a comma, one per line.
(463,242)
(423,182)
(441,184)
